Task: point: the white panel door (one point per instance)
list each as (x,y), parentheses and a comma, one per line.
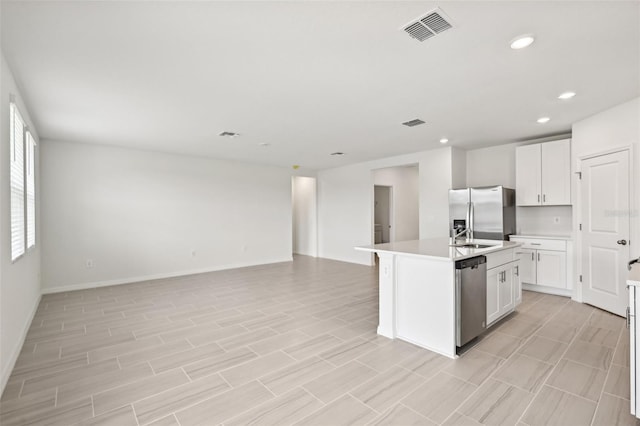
(505,291)
(552,268)
(493,295)
(528,160)
(604,210)
(556,172)
(527,267)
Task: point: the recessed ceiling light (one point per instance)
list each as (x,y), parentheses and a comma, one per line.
(444,140)
(567,95)
(522,41)
(543,120)
(265,144)
(337,153)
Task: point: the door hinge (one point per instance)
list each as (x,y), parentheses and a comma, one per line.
(580,278)
(579,175)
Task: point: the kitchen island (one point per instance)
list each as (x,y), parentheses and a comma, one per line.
(417,288)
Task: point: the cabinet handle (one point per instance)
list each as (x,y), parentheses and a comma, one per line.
(544,198)
(538,257)
(517,270)
(538,197)
(532,258)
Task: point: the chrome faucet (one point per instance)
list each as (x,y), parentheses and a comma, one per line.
(465,231)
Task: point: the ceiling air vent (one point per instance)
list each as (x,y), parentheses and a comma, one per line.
(412,123)
(428,25)
(229,134)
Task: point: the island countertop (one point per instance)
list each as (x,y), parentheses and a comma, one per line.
(439,248)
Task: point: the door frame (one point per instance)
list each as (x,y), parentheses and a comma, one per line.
(578,208)
(392,219)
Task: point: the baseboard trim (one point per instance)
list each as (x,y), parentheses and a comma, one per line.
(547,290)
(128,280)
(6,371)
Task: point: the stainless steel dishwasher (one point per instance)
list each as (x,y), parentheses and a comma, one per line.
(471,299)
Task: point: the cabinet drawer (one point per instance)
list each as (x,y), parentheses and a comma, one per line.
(541,244)
(499,258)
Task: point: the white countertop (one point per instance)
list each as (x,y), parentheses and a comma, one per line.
(438,248)
(545,237)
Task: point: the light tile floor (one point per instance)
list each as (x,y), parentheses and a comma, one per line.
(295,343)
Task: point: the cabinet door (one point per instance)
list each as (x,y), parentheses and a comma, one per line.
(552,268)
(517,284)
(493,301)
(505,289)
(528,171)
(527,268)
(556,172)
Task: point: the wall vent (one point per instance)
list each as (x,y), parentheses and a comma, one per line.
(428,25)
(229,134)
(412,123)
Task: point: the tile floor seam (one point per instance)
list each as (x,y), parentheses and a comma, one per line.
(604,384)
(135,416)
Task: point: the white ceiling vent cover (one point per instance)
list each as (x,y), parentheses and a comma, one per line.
(428,25)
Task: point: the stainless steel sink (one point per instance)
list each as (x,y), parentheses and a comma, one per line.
(476,246)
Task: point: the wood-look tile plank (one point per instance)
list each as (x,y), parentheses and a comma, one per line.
(163,404)
(555,407)
(214,363)
(189,356)
(401,415)
(347,351)
(344,411)
(154,352)
(474,366)
(224,406)
(438,398)
(590,354)
(296,374)
(113,351)
(613,411)
(543,349)
(617,383)
(132,392)
(281,341)
(256,368)
(123,416)
(496,403)
(578,379)
(93,384)
(63,377)
(283,410)
(312,346)
(387,388)
(331,385)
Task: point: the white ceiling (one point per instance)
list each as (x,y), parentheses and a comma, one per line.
(311,78)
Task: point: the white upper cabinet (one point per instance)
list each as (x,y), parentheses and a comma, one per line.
(528,183)
(543,174)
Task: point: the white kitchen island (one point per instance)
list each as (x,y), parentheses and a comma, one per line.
(417,288)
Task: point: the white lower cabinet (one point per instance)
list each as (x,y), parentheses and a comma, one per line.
(504,291)
(543,264)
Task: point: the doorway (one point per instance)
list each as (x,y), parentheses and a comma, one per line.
(304,216)
(604,230)
(383,214)
(395,204)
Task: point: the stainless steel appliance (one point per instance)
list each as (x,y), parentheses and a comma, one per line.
(471,298)
(488,212)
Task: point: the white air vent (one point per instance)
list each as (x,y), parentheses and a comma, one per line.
(428,25)
(229,134)
(412,123)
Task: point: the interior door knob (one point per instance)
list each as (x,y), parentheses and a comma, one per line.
(622,242)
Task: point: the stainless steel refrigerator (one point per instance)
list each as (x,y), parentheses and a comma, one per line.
(490,211)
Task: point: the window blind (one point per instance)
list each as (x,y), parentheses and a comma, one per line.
(31,190)
(17,183)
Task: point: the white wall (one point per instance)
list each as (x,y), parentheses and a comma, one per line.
(617,127)
(139,214)
(405,193)
(19,281)
(345,202)
(305,217)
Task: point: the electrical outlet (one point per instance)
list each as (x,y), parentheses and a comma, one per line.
(89,263)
